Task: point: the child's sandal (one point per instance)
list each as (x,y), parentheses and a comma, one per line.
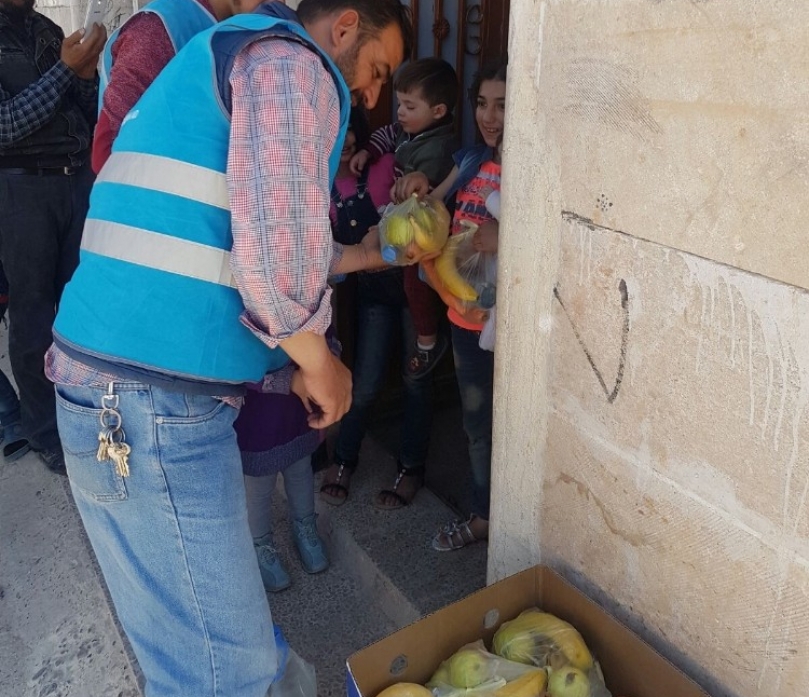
(335,493)
(456,535)
(400,499)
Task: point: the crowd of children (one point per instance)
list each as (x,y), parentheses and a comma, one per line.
(419,155)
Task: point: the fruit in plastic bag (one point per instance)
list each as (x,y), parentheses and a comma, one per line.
(542,639)
(398,231)
(446,265)
(425,223)
(405,689)
(467,274)
(469,668)
(568,682)
(531,684)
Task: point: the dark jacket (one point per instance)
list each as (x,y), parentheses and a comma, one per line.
(429,152)
(27,52)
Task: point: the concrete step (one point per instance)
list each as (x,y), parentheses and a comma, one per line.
(384,573)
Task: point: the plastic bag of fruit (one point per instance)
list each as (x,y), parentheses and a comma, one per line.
(543,640)
(420,222)
(474,672)
(469,275)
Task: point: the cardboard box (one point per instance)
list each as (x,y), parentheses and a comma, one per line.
(631,667)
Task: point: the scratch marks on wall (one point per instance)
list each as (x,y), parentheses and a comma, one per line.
(607,93)
(610,394)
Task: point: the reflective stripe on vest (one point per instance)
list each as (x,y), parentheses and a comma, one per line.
(158,251)
(168,175)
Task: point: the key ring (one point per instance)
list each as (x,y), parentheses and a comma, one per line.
(113,425)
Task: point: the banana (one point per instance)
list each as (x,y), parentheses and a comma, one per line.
(532,684)
(448,272)
(424,239)
(442,217)
(549,635)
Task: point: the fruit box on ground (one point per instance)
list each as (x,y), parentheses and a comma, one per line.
(631,667)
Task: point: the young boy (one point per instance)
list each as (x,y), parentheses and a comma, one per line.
(422,140)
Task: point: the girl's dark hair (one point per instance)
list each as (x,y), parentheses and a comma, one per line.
(491,70)
(358,123)
(375,16)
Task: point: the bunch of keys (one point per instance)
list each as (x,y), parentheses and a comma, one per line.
(111,445)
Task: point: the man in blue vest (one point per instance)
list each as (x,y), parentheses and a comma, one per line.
(204,265)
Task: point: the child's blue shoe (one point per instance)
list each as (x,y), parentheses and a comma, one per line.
(273,573)
(310,547)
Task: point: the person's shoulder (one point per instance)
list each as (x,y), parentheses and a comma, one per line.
(476,150)
(53,26)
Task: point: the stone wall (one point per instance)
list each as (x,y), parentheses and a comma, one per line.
(652,425)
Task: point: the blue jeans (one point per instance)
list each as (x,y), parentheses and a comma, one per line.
(172,539)
(382,307)
(474,369)
(299,484)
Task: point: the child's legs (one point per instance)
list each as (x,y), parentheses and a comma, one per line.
(418,407)
(376,327)
(259,491)
(9,404)
(423,303)
(299,483)
(474,369)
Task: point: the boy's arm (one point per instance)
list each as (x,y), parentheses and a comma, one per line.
(382,141)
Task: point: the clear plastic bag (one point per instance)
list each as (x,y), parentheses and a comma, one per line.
(488,333)
(295,677)
(543,640)
(469,275)
(474,672)
(423,223)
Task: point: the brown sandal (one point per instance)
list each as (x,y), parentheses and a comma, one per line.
(405,498)
(457,535)
(335,493)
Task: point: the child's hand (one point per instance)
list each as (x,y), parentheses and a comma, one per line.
(485,237)
(358,162)
(413,183)
(297,387)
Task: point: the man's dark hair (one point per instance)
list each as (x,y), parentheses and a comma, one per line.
(375,16)
(492,70)
(433,77)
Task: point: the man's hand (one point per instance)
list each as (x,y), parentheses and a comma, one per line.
(358,162)
(80,52)
(413,183)
(296,386)
(324,380)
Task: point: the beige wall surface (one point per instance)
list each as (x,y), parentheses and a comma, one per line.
(676,475)
(652,365)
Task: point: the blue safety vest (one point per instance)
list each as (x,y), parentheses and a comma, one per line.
(154,289)
(183,20)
